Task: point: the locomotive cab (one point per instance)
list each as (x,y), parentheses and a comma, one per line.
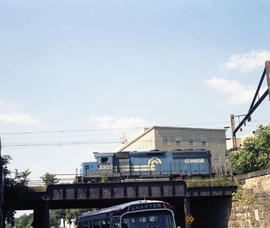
(105,162)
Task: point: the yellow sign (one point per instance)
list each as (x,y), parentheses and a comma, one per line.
(189,219)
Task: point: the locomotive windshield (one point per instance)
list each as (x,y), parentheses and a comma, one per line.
(148,219)
(105,160)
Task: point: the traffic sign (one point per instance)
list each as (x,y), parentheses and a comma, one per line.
(189,219)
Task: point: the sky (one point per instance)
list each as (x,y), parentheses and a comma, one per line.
(81,76)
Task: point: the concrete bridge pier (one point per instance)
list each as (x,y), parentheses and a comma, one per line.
(41,215)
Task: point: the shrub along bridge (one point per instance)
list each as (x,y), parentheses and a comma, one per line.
(108,194)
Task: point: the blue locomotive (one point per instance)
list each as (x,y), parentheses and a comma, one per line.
(143,165)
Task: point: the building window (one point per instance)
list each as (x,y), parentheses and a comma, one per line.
(178,141)
(191,141)
(165,140)
(203,141)
(216,142)
(217,157)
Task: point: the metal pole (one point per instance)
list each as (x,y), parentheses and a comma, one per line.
(187,211)
(267,68)
(233,128)
(1,189)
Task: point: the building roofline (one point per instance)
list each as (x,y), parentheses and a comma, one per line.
(135,139)
(155,127)
(208,129)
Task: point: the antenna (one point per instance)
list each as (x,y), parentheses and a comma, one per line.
(124,138)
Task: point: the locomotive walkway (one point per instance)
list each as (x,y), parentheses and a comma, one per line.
(103,195)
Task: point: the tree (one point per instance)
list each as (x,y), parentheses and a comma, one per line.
(55,216)
(49,178)
(67,214)
(13,184)
(255,153)
(24,221)
(74,214)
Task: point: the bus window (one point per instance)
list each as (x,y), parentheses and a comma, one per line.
(97,224)
(83,225)
(115,222)
(151,219)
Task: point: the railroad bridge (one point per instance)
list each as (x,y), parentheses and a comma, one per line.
(185,200)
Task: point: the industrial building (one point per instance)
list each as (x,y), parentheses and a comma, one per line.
(171,138)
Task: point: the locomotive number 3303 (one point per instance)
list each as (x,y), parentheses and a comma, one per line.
(105,166)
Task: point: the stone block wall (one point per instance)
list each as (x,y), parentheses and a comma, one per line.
(256,214)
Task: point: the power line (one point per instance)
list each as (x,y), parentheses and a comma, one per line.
(65,131)
(103,129)
(113,141)
(184,141)
(111,129)
(59,144)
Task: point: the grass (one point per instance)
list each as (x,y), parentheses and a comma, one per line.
(221,181)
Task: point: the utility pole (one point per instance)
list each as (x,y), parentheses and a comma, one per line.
(1,189)
(233,128)
(254,104)
(267,68)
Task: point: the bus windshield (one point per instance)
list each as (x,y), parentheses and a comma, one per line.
(150,219)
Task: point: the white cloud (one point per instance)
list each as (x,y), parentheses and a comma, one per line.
(36,168)
(7,106)
(18,118)
(9,114)
(104,122)
(236,93)
(248,61)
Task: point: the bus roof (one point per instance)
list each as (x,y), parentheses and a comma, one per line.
(117,207)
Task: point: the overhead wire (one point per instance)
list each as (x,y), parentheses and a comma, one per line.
(104,129)
(102,142)
(112,129)
(65,131)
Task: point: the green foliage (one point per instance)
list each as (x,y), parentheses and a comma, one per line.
(67,214)
(24,221)
(5,161)
(105,178)
(49,178)
(255,154)
(14,182)
(222,180)
(74,214)
(243,199)
(55,216)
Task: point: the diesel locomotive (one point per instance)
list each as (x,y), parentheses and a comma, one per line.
(128,166)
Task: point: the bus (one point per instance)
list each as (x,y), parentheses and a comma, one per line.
(135,214)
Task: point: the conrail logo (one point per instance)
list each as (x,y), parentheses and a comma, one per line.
(151,166)
(197,160)
(152,162)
